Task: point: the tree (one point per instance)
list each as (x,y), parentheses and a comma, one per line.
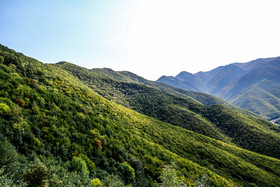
(169,177)
(113,181)
(37,174)
(80,165)
(1,59)
(127,172)
(96,182)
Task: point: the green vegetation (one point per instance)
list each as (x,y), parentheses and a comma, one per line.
(262,98)
(161,103)
(55,130)
(169,177)
(4,109)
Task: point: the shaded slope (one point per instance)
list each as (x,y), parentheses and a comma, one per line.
(178,83)
(226,77)
(259,100)
(257,75)
(195,81)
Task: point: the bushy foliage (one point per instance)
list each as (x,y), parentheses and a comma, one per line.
(79,165)
(113,181)
(37,174)
(96,182)
(5,179)
(169,177)
(4,109)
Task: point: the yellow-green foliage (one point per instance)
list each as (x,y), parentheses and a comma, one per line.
(4,109)
(80,165)
(96,182)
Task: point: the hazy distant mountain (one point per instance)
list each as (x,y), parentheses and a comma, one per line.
(253,86)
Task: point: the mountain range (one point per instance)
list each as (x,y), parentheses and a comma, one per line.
(64,125)
(252,86)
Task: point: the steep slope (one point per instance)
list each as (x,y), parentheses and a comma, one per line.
(231,82)
(76,137)
(269,71)
(194,80)
(223,124)
(178,83)
(226,77)
(260,99)
(260,85)
(254,64)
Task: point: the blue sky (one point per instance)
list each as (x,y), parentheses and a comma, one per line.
(56,30)
(148,37)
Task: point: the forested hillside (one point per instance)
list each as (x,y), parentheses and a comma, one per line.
(56,130)
(217,122)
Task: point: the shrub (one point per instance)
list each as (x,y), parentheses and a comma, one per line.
(37,174)
(169,177)
(4,109)
(127,172)
(98,143)
(80,165)
(113,181)
(1,59)
(21,102)
(96,182)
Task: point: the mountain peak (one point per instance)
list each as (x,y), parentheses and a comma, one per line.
(184,73)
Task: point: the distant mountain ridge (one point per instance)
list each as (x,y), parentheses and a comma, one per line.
(242,84)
